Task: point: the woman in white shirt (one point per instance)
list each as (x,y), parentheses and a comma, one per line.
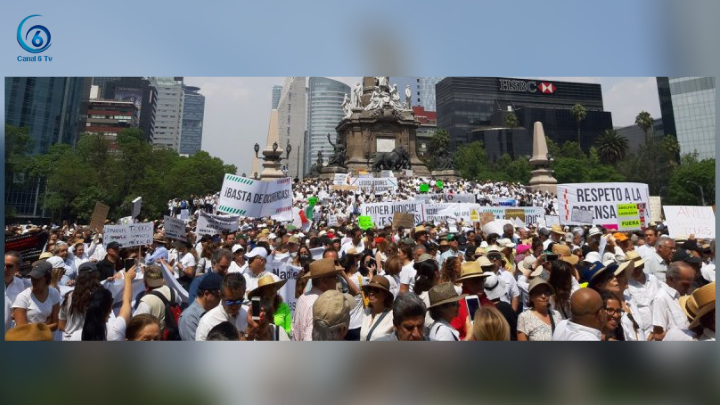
(76,303)
(444,306)
(539,321)
(377,318)
(98,324)
(185,267)
(39,303)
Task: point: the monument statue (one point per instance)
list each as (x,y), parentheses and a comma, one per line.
(408,97)
(346,106)
(357,96)
(398,159)
(338,158)
(383,81)
(442,159)
(375,101)
(395,97)
(316,168)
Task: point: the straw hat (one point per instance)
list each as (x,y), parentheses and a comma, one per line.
(444,242)
(471,270)
(565,254)
(627,266)
(36,332)
(442,294)
(420,230)
(689,306)
(634,256)
(322,268)
(483,261)
(705,299)
(525,267)
(557,229)
(538,281)
(480,251)
(266,281)
(380,282)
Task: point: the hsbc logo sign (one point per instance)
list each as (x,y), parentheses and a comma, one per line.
(526,86)
(547,88)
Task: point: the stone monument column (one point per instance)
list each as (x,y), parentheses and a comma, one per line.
(542,176)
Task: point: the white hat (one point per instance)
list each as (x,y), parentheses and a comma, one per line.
(56,262)
(505,243)
(258,251)
(592,257)
(494,287)
(235,248)
(272,236)
(595,231)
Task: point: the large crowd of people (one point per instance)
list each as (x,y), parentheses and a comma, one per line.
(430,282)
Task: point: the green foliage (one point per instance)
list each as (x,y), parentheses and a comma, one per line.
(611,146)
(645,121)
(18,145)
(511,120)
(93,171)
(688,177)
(439,142)
(471,161)
(579,112)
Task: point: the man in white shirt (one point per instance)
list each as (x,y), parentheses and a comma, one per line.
(512,292)
(642,289)
(13,285)
(231,308)
(257,259)
(588,318)
(657,263)
(648,249)
(356,242)
(323,276)
(666,310)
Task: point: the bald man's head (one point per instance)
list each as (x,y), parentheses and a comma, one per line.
(586,305)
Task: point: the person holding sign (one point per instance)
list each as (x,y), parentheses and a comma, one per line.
(158,250)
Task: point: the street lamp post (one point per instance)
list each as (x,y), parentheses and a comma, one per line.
(272,156)
(702,194)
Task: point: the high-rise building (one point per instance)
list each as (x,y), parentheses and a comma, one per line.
(139,91)
(50,107)
(469,107)
(292,117)
(687,105)
(168,115)
(426,92)
(109,117)
(276,92)
(426,130)
(636,137)
(102,83)
(192,121)
(325,97)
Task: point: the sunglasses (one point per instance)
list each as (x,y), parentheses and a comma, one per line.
(229,303)
(613,311)
(373,290)
(494,257)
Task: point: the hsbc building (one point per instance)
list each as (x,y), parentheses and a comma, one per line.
(474,108)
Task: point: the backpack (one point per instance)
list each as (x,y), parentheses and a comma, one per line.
(183,204)
(172,315)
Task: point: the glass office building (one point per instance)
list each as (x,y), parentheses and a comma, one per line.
(688,106)
(168,115)
(325,97)
(276,92)
(467,104)
(50,107)
(192,121)
(139,91)
(426,92)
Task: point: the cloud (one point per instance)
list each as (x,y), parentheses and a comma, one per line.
(628,97)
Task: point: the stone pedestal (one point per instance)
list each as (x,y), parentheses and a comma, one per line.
(328,172)
(446,175)
(271,164)
(381,130)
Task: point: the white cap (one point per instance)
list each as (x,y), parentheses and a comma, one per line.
(594,231)
(505,243)
(235,248)
(272,236)
(592,257)
(56,262)
(258,251)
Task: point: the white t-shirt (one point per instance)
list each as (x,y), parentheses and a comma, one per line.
(16,287)
(442,331)
(356,312)
(218,315)
(187,261)
(8,314)
(407,275)
(73,322)
(116,329)
(37,312)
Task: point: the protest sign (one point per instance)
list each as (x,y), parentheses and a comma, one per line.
(341,179)
(459,198)
(382,213)
(317,253)
(255,199)
(209,224)
(439,184)
(463,211)
(175,228)
(551,220)
(126,221)
(656,208)
(332,220)
(173,283)
(283,270)
(136,206)
(343,188)
(365,222)
(486,217)
(408,173)
(401,219)
(605,201)
(386,173)
(685,220)
(30,245)
(581,217)
(130,235)
(99,215)
(424,188)
(377,186)
(312,201)
(184,214)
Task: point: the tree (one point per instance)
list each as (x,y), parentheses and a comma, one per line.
(688,178)
(671,146)
(440,141)
(471,161)
(18,144)
(611,146)
(645,121)
(511,120)
(579,112)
